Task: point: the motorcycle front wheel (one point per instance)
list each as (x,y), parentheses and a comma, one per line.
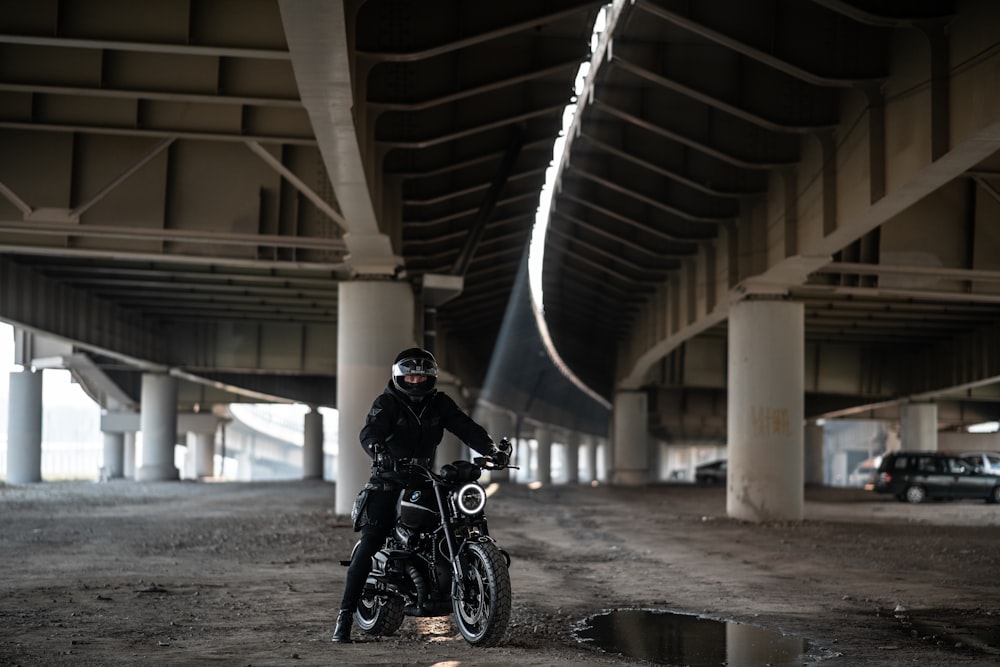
(482,609)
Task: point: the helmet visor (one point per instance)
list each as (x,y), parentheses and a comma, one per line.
(415,366)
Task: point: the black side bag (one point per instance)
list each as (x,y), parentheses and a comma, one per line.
(358,513)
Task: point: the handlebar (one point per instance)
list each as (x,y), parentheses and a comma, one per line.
(483,462)
(381,460)
(486,463)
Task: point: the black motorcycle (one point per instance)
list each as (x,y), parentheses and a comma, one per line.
(439,558)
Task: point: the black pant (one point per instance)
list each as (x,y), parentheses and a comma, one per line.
(381,515)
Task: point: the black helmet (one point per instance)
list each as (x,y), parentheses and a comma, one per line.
(419,362)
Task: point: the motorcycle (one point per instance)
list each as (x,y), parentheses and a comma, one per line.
(439,558)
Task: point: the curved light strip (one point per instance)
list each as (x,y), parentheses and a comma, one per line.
(600,44)
(466,493)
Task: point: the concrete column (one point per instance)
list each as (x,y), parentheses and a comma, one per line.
(128,455)
(605,455)
(375,323)
(765,410)
(630,439)
(451,448)
(312,445)
(202,445)
(813,454)
(918,427)
(592,457)
(572,457)
(187,463)
(114,456)
(24,428)
(158,423)
(655,459)
(244,461)
(543,435)
(530,470)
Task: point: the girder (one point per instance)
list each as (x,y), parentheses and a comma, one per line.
(200,176)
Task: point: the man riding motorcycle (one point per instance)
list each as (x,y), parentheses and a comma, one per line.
(404,425)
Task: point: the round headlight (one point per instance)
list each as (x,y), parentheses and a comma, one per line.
(471,499)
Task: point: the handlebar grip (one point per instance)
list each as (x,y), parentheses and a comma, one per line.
(488,463)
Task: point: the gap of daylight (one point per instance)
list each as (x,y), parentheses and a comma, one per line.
(603,27)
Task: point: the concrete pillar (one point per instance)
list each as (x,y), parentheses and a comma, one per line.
(203,447)
(128,455)
(572,457)
(531,459)
(375,323)
(223,452)
(605,455)
(245,459)
(918,427)
(765,410)
(601,460)
(655,448)
(813,468)
(312,445)
(158,423)
(543,435)
(630,439)
(114,456)
(24,428)
(187,463)
(451,448)
(838,468)
(591,458)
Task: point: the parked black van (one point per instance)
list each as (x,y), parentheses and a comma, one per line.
(917,476)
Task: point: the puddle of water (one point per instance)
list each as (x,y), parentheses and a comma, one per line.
(667,638)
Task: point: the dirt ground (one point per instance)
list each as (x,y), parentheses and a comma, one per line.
(184,573)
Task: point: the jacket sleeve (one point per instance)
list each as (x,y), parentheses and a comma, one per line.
(462,425)
(378,424)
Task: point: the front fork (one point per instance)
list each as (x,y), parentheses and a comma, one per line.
(458,565)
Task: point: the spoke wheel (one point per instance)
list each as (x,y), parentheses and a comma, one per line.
(916,494)
(482,609)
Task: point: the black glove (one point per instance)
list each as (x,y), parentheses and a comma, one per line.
(500,458)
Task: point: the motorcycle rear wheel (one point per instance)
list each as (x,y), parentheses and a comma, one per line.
(482,610)
(379,614)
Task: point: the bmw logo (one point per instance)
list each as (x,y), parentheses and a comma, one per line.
(415,496)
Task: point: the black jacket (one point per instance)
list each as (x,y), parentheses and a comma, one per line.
(411,429)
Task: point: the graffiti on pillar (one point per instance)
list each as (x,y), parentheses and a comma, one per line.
(770,421)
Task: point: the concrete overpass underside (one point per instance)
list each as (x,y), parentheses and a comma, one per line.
(184,186)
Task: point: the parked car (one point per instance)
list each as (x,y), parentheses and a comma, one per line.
(711,473)
(918,476)
(863,475)
(988,461)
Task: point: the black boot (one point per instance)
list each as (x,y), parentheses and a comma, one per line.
(342,633)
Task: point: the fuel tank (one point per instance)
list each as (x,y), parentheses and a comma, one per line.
(418,510)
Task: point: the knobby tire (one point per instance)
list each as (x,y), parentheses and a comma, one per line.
(483,612)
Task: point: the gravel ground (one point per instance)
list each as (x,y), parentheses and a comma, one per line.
(183,573)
